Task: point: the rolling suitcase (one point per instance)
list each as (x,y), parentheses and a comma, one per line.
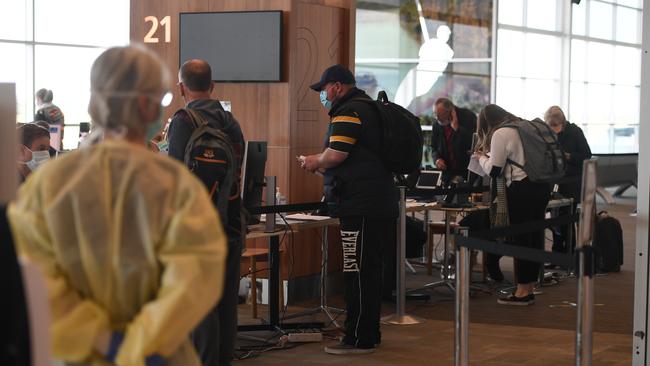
(608,243)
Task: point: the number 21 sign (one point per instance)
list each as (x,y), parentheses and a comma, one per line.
(165,22)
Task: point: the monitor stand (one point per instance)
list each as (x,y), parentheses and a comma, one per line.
(270,201)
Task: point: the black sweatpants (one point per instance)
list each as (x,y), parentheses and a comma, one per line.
(527,202)
(364,240)
(214,338)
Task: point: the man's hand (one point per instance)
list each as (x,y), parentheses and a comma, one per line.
(440,164)
(567,156)
(310,163)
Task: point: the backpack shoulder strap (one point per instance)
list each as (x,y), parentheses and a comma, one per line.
(196,117)
(516,126)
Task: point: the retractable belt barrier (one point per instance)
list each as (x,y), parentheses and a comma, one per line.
(528,227)
(295,207)
(479,241)
(583,258)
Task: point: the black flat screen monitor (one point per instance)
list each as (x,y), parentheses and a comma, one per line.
(239,46)
(253,176)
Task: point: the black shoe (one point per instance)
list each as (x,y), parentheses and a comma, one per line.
(551,266)
(517,301)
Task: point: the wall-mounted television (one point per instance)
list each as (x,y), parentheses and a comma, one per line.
(240,46)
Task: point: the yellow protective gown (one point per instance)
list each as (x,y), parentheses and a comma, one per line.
(129,241)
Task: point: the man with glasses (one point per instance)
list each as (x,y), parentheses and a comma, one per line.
(451,139)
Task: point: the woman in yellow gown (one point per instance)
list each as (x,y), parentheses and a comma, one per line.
(130,244)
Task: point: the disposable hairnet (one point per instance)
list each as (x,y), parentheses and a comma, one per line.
(117,77)
(129,241)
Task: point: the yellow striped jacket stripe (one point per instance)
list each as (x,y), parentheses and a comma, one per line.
(348,119)
(345,139)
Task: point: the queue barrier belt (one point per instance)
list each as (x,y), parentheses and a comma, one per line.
(529,254)
(528,227)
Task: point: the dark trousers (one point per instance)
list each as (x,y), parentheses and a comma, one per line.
(214,338)
(364,241)
(527,202)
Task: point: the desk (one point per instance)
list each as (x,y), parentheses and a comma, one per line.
(445,271)
(257,232)
(426,207)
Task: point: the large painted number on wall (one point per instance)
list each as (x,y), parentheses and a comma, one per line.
(165,22)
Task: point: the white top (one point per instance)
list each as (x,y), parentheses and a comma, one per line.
(505,144)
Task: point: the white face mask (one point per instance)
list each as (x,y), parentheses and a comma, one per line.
(38,158)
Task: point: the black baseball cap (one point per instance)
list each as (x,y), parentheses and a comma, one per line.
(333,74)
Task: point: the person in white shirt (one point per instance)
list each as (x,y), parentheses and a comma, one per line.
(526,200)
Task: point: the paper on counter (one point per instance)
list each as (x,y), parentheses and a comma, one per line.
(475,167)
(305,217)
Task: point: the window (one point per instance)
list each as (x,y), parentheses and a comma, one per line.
(82,22)
(420,50)
(585,58)
(52,44)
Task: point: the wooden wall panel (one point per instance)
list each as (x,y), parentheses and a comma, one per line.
(167,51)
(287,114)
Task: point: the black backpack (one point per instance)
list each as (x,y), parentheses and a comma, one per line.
(608,243)
(401,145)
(209,155)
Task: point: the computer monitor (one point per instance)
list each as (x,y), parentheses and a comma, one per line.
(429,179)
(253,176)
(55,137)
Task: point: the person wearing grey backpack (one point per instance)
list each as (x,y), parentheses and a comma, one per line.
(210,142)
(507,154)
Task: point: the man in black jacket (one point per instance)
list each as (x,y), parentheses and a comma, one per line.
(451,139)
(359,191)
(576,150)
(215,336)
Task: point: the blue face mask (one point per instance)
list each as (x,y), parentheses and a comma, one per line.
(323,99)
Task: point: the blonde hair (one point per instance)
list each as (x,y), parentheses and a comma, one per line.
(490,118)
(117,77)
(554,116)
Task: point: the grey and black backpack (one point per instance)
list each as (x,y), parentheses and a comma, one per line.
(209,155)
(544,158)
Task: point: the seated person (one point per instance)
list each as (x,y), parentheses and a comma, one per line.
(451,139)
(33,150)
